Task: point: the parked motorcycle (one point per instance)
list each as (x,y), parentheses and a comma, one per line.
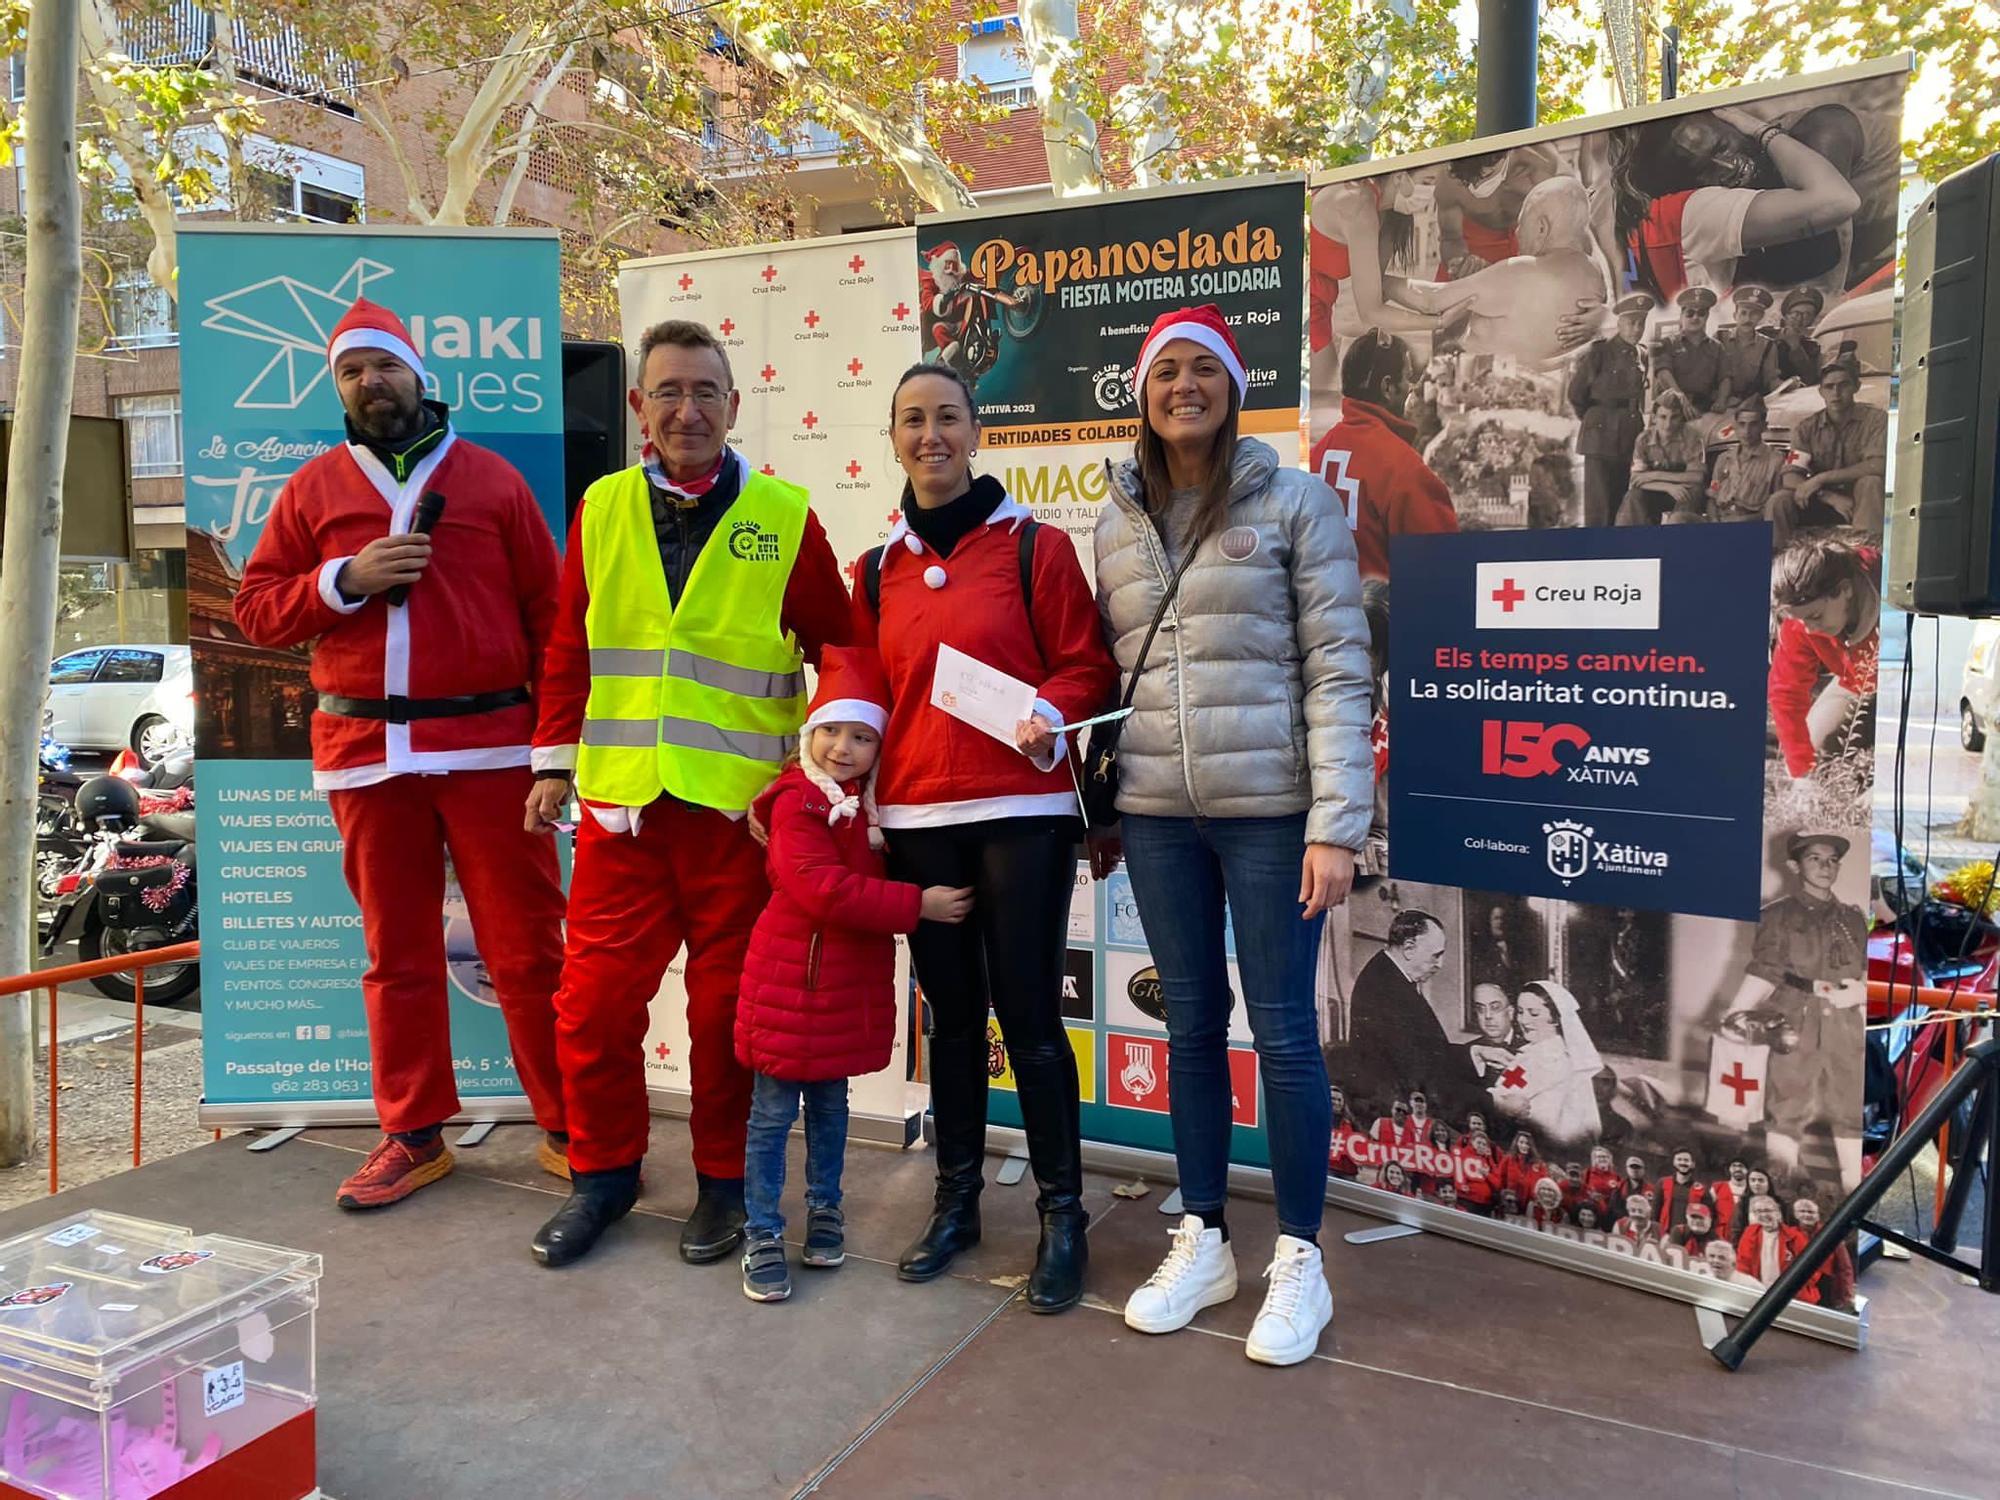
(59,843)
(134,887)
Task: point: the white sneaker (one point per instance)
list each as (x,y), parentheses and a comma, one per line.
(1298,1304)
(1199,1271)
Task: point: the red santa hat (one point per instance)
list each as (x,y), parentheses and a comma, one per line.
(939,252)
(1205,326)
(370,325)
(853,689)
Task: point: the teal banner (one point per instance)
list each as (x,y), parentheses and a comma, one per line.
(282,952)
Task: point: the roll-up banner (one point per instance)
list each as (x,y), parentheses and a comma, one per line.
(1043,310)
(817,332)
(282,955)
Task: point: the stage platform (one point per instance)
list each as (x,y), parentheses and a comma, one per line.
(451,1367)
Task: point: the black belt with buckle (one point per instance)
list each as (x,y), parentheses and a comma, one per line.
(401,710)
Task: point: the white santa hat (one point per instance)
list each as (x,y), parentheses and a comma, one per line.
(370,325)
(852,690)
(1204,326)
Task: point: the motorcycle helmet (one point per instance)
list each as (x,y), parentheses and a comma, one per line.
(108,802)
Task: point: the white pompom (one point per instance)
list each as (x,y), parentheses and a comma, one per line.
(910,541)
(934,576)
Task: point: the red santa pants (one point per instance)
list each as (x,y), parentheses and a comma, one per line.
(397,833)
(691,877)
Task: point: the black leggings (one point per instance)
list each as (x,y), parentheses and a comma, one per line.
(1008,954)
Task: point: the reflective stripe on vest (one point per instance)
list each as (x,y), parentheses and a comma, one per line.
(701,700)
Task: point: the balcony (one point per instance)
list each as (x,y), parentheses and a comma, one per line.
(730,146)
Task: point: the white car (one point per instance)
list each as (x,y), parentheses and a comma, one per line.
(111,697)
(1979,685)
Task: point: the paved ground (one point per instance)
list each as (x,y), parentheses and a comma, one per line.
(1939,778)
(452,1366)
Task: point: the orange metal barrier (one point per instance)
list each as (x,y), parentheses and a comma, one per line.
(134,964)
(1903,995)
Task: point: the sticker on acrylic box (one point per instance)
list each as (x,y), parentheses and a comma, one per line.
(1135,1077)
(35,1296)
(1133,995)
(174,1260)
(222,1389)
(76,1234)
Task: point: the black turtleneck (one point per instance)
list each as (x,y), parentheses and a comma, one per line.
(943,527)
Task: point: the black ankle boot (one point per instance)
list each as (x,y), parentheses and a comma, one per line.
(958,1123)
(715,1228)
(1060,1259)
(1045,1077)
(596,1201)
(953,1226)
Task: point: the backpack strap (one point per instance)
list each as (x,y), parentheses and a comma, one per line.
(871,577)
(1024,554)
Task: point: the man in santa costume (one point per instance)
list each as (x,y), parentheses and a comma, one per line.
(429,649)
(695,591)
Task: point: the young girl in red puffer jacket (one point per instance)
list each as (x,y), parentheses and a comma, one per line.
(817,1004)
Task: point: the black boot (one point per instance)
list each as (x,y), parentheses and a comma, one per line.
(1045,1077)
(596,1201)
(715,1228)
(958,1118)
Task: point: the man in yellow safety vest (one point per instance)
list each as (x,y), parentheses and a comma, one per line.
(695,591)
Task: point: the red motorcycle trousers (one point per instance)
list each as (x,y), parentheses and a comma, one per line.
(397,833)
(690,877)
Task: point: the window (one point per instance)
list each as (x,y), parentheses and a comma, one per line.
(17,76)
(131,666)
(78,666)
(142,314)
(290,182)
(152,434)
(991,53)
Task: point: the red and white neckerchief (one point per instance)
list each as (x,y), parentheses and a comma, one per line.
(688,492)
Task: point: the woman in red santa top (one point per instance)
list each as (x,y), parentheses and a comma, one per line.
(429,641)
(1768,1244)
(818,1005)
(966,567)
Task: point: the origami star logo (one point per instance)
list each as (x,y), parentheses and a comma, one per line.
(296,319)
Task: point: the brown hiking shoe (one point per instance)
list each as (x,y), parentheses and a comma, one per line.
(394,1171)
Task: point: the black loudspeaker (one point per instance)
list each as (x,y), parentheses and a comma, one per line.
(1944,555)
(593,417)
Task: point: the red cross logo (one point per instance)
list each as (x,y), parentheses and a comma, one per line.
(1736,1082)
(727,327)
(853,571)
(769,273)
(856,264)
(812,318)
(662,1052)
(901,311)
(767,470)
(854,468)
(1514,1078)
(686,281)
(854,367)
(769,372)
(1507,596)
(810,421)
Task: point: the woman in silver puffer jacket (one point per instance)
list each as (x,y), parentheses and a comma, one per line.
(1246,775)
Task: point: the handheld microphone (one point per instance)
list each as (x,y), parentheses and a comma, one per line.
(430,505)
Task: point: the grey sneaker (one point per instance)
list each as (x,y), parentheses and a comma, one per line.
(766,1277)
(826,1239)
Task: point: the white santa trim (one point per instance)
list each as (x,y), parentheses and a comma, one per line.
(1200,333)
(375,338)
(329,587)
(980,810)
(849,711)
(553,758)
(1008,509)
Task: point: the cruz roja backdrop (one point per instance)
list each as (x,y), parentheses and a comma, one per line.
(282,956)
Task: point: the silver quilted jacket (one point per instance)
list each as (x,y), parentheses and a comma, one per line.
(1254,700)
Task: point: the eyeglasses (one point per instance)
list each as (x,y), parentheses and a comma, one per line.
(706,396)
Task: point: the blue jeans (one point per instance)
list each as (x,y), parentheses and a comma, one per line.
(1182,871)
(774,1105)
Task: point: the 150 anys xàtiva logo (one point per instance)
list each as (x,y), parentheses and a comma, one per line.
(1526,749)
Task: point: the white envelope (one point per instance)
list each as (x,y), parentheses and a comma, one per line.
(982,696)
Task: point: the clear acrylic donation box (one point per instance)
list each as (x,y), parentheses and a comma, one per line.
(141,1359)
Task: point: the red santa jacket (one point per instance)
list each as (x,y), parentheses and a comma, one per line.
(1384,484)
(1801,657)
(936,770)
(815,611)
(1791,1240)
(475,622)
(818,994)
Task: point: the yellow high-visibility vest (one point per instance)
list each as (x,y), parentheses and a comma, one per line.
(701,700)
